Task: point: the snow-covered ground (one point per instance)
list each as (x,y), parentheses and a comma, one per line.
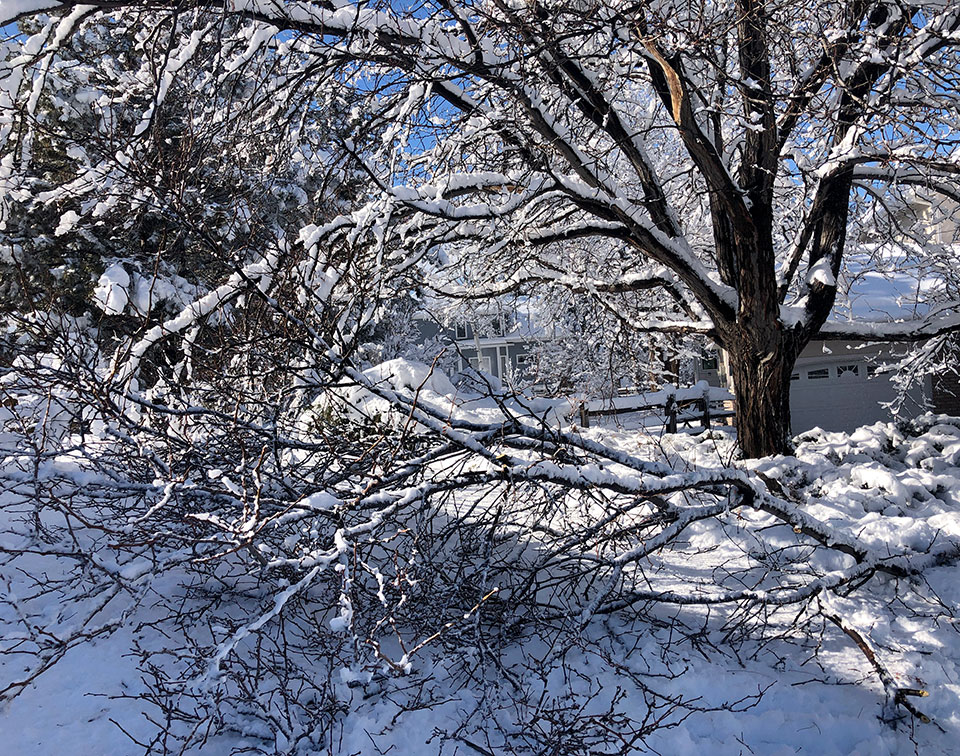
(662,680)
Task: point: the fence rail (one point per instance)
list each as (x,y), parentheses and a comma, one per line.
(685,405)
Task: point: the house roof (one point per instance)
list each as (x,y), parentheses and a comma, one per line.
(887,284)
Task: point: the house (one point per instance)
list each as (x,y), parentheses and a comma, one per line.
(501,343)
(937,218)
(523,344)
(841,385)
(498,344)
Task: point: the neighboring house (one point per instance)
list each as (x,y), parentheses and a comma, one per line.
(522,346)
(939,217)
(495,344)
(839,385)
(499,343)
(843,385)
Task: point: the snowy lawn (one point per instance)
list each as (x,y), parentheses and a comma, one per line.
(658,677)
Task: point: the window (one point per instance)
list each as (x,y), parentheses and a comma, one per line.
(498,325)
(848,371)
(525,364)
(795,377)
(880,369)
(461,331)
(819,373)
(709,363)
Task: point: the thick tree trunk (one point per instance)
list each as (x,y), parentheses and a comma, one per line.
(760,366)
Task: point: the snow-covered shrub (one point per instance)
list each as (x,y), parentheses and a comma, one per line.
(288,574)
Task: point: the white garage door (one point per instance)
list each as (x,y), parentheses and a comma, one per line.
(838,396)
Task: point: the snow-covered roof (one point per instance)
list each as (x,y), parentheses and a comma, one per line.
(885,283)
(885,297)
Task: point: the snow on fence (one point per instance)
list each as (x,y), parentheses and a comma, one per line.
(700,402)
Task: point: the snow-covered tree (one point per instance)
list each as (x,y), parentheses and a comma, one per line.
(719,153)
(123,207)
(302,532)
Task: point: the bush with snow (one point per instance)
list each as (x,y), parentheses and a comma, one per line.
(467,571)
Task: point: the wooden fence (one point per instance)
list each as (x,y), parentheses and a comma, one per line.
(700,403)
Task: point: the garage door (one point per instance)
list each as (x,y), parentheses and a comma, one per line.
(838,396)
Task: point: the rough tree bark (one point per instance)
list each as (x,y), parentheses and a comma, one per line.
(761,361)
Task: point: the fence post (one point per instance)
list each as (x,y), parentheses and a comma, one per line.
(706,408)
(671,409)
(584,416)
